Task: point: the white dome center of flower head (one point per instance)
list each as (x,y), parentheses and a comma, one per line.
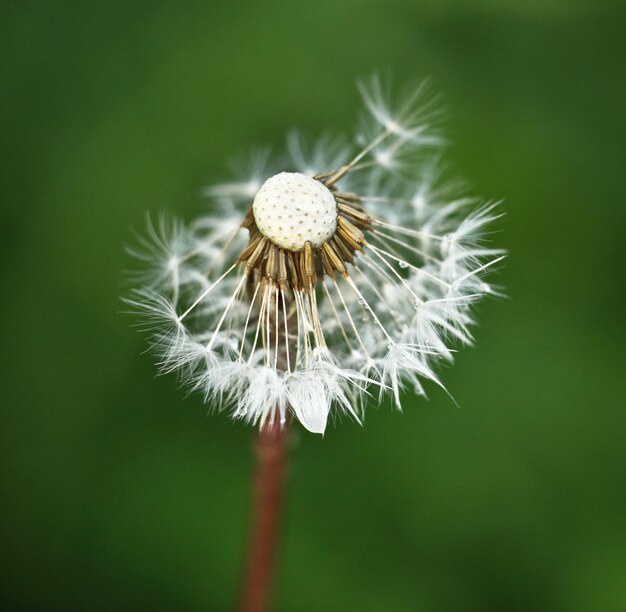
(292,208)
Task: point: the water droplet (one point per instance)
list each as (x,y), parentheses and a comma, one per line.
(403,264)
(362,301)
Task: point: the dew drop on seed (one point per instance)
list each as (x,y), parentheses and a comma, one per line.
(403,264)
(362,301)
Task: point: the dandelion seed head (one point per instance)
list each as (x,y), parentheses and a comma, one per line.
(324,277)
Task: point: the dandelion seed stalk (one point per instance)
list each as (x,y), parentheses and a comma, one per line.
(271,448)
(269,482)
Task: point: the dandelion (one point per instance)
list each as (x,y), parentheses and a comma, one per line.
(324,278)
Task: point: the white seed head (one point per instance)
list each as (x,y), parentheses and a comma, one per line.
(268,334)
(292,209)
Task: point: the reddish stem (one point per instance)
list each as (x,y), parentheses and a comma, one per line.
(269,486)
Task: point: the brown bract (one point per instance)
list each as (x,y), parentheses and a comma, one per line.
(300,270)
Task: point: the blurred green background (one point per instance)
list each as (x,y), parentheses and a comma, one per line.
(120,494)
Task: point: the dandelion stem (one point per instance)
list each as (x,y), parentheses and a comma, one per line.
(269,488)
(271,459)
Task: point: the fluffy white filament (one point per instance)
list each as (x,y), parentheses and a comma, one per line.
(406,302)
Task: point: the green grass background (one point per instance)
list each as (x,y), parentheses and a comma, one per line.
(120,494)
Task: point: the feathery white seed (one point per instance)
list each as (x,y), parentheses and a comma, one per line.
(406,303)
(292,208)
